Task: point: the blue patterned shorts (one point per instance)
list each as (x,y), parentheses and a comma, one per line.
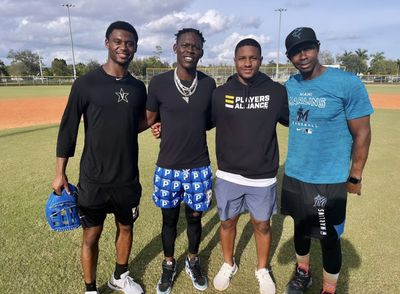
(193,186)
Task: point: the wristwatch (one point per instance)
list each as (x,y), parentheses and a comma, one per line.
(353,180)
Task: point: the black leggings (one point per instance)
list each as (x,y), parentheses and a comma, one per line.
(169,229)
(331,251)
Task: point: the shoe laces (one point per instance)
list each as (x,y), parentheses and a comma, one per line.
(226,270)
(262,275)
(168,272)
(194,265)
(128,281)
(299,279)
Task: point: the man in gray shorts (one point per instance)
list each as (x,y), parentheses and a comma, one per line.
(245,111)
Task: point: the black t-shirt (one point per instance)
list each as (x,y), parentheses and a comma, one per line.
(112,109)
(183,140)
(245,117)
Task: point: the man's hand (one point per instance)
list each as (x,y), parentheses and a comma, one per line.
(156,130)
(353,188)
(60,180)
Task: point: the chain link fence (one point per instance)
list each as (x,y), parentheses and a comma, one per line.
(219,73)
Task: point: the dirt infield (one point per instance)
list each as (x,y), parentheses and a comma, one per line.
(16,113)
(385,101)
(30,112)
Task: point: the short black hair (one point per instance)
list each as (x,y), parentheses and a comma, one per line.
(248,42)
(190,30)
(122,25)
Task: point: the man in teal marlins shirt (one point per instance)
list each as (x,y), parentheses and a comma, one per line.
(329,138)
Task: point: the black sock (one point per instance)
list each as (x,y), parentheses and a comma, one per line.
(91,286)
(119,270)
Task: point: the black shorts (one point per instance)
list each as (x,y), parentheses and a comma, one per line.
(318,210)
(94,202)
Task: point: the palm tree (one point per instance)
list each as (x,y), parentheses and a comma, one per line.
(379,56)
(377,65)
(347,53)
(362,53)
(398,66)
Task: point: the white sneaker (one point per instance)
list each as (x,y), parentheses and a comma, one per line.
(267,286)
(222,279)
(91,292)
(125,284)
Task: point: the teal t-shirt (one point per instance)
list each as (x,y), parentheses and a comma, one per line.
(320,142)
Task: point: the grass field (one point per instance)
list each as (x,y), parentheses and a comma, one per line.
(51,91)
(37,260)
(33,91)
(384,89)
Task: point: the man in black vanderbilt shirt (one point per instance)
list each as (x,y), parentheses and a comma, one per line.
(112,103)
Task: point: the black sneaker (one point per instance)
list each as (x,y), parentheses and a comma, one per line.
(300,282)
(164,285)
(192,268)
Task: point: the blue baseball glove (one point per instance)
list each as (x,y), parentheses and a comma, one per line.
(61,210)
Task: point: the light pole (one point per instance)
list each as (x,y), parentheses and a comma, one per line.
(40,67)
(279,36)
(70,33)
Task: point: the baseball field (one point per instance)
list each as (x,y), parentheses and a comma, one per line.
(35,259)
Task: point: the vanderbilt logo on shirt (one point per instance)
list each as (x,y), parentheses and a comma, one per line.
(251,102)
(122,96)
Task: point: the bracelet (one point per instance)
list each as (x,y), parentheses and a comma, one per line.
(353,180)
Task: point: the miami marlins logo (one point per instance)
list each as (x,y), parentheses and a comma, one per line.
(122,96)
(320,201)
(297,33)
(302,115)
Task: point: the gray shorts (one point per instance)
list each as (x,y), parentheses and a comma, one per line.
(233,199)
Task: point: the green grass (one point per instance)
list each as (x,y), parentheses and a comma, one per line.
(13,92)
(37,260)
(383,89)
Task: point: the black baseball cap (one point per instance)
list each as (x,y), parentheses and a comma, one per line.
(299,36)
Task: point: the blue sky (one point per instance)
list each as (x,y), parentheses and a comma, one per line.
(42,26)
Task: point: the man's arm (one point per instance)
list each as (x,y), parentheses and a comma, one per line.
(360,130)
(143,125)
(153,124)
(284,114)
(60,180)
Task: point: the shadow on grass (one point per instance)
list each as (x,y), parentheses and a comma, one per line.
(350,256)
(139,263)
(14,132)
(206,252)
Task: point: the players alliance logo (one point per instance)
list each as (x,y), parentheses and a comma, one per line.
(122,96)
(247,102)
(297,33)
(319,201)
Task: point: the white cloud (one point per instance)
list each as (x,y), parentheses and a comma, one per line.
(42,25)
(224,51)
(251,22)
(210,22)
(213,22)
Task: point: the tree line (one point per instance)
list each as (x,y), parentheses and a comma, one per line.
(28,63)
